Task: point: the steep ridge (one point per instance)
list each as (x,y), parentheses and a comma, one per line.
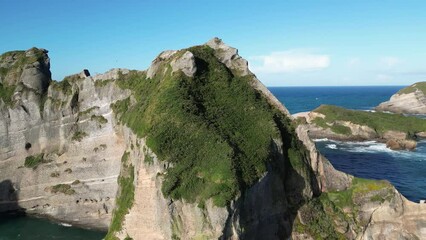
(207,152)
(410,100)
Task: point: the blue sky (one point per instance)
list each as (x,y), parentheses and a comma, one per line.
(288,43)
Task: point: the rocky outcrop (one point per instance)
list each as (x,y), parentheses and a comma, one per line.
(185,63)
(410,100)
(336,123)
(72,130)
(65,154)
(398,144)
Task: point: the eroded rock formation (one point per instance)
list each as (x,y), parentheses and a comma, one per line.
(68,148)
(410,100)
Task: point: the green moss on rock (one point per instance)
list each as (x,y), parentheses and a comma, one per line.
(34,161)
(421,86)
(215,128)
(63,188)
(125,197)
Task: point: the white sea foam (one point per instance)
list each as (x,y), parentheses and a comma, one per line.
(377,147)
(331,146)
(65,224)
(321,140)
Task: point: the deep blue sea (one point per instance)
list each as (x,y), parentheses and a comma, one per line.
(405,170)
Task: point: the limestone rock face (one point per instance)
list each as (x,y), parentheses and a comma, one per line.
(152,70)
(411,100)
(75,133)
(26,68)
(186,63)
(229,56)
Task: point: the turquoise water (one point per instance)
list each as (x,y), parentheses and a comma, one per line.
(29,228)
(405,170)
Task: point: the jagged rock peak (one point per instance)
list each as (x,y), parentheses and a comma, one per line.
(31,68)
(185,63)
(229,56)
(163,56)
(112,74)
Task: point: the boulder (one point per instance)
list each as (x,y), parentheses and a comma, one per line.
(398,144)
(186,63)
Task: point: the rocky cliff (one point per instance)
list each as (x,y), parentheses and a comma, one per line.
(60,148)
(193,148)
(410,100)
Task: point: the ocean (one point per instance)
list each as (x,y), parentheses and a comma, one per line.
(13,227)
(404,169)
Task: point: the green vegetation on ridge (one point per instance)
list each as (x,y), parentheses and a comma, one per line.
(321,216)
(215,128)
(379,121)
(412,88)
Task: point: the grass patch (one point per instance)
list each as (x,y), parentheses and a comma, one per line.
(359,189)
(102,83)
(125,196)
(63,188)
(76,182)
(87,111)
(78,136)
(6,93)
(379,121)
(54,174)
(148,159)
(322,215)
(63,86)
(34,161)
(416,86)
(99,118)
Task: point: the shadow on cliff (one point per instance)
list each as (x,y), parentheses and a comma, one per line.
(9,201)
(269,209)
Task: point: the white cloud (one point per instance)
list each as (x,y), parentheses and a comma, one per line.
(290,61)
(384,77)
(352,62)
(390,62)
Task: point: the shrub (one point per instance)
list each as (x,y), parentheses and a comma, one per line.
(34,161)
(78,136)
(76,182)
(63,188)
(100,119)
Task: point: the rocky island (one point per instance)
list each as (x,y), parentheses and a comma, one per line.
(396,130)
(195,147)
(409,100)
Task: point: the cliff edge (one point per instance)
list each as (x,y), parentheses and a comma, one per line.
(409,100)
